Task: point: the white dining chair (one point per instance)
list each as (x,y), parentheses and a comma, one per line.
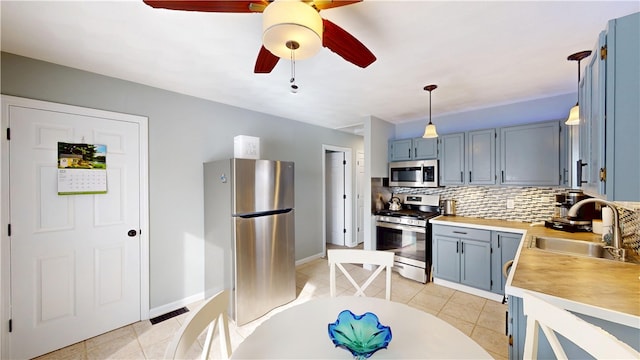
(552,319)
(338,257)
(212,314)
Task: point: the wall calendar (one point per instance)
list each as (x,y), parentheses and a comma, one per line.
(82,169)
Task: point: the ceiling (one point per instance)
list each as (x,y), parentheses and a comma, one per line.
(479,53)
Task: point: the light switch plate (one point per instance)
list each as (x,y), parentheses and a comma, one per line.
(510,204)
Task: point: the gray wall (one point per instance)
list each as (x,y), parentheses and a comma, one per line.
(185,132)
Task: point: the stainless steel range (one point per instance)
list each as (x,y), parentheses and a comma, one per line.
(407,232)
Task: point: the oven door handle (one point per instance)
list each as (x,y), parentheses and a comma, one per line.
(417,229)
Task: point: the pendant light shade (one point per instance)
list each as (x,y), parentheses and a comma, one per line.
(574,114)
(286,21)
(430,130)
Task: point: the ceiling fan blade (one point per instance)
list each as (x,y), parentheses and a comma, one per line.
(328,4)
(230,6)
(344,44)
(265,62)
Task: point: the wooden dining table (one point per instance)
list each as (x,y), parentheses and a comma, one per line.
(301,332)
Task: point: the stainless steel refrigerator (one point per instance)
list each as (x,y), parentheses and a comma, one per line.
(249,234)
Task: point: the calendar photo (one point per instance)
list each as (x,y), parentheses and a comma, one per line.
(82,169)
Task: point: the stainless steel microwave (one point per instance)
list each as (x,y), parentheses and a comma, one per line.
(418,173)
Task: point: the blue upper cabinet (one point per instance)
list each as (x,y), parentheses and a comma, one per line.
(452,166)
(622,126)
(530,154)
(481,157)
(610,125)
(400,150)
(468,158)
(592,122)
(413,149)
(424,149)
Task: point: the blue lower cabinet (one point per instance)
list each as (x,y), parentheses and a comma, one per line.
(504,247)
(474,259)
(446,258)
(462,255)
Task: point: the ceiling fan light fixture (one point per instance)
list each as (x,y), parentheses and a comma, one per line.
(291,20)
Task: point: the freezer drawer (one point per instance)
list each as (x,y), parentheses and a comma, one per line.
(264,264)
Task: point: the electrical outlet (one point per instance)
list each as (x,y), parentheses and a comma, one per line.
(510,204)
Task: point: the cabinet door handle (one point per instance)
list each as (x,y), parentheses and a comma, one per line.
(461,176)
(457,247)
(469,176)
(506,322)
(579,165)
(502,175)
(459,232)
(461,248)
(409,152)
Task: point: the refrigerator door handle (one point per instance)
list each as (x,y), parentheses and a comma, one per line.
(263,213)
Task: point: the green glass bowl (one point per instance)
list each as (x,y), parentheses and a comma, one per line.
(362,335)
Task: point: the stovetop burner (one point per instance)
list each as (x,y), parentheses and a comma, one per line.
(408,213)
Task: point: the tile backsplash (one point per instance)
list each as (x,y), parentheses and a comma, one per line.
(530,204)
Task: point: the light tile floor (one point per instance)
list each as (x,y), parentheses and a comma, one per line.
(481,319)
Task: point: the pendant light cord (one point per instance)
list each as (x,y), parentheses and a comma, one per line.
(578,81)
(294,87)
(293,67)
(429,106)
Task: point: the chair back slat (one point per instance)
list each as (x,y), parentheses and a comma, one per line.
(338,257)
(211,315)
(541,314)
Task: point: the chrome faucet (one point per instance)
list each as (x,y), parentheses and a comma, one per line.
(616,249)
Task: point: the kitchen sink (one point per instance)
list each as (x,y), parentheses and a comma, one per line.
(572,247)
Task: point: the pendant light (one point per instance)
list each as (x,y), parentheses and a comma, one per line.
(430,130)
(574,114)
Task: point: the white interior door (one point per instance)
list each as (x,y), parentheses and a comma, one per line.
(360,197)
(335,198)
(75,259)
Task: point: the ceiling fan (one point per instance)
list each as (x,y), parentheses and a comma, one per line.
(282,20)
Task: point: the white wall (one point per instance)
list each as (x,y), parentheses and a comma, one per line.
(378,132)
(185,132)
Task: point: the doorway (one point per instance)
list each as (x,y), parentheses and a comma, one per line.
(337,197)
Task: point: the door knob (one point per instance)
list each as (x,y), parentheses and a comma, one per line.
(132,233)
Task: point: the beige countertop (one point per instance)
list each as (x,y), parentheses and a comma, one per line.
(597,287)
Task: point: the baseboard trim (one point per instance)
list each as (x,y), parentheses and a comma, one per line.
(309,259)
(160,310)
(468,289)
